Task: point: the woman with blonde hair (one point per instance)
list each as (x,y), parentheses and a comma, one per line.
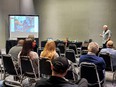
(49,50)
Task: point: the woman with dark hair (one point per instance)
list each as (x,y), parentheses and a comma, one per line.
(27,50)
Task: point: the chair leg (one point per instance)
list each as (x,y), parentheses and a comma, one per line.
(114,77)
(1,71)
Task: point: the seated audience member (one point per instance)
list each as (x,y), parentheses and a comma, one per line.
(110,49)
(31,36)
(34,42)
(35,46)
(14,51)
(91,57)
(27,50)
(59,68)
(49,50)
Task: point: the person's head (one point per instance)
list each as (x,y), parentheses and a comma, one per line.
(27,47)
(49,50)
(20,42)
(31,36)
(50,46)
(34,43)
(59,66)
(93,47)
(109,44)
(105,27)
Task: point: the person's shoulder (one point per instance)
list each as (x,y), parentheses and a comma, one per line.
(83,56)
(47,83)
(32,52)
(100,59)
(103,50)
(69,85)
(41,83)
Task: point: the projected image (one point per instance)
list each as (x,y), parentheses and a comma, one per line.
(24,24)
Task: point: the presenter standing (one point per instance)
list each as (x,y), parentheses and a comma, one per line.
(106,35)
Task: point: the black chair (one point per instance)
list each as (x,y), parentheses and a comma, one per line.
(27,68)
(108,60)
(79,44)
(58,51)
(94,77)
(70,55)
(72,75)
(84,50)
(10,69)
(109,66)
(39,50)
(73,46)
(43,43)
(45,67)
(61,46)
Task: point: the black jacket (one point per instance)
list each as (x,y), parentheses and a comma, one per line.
(54,81)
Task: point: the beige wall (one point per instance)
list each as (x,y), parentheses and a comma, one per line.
(12,7)
(6,7)
(76,19)
(2,29)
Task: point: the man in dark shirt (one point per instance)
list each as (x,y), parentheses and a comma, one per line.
(59,68)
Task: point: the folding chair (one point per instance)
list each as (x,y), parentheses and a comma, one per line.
(43,43)
(39,50)
(79,45)
(45,68)
(72,75)
(61,46)
(90,72)
(27,68)
(108,60)
(109,66)
(10,69)
(73,46)
(58,51)
(70,55)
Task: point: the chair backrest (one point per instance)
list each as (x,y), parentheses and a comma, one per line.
(108,60)
(8,64)
(43,43)
(70,54)
(83,48)
(45,66)
(73,46)
(10,69)
(89,71)
(79,44)
(27,67)
(58,51)
(71,74)
(84,52)
(61,46)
